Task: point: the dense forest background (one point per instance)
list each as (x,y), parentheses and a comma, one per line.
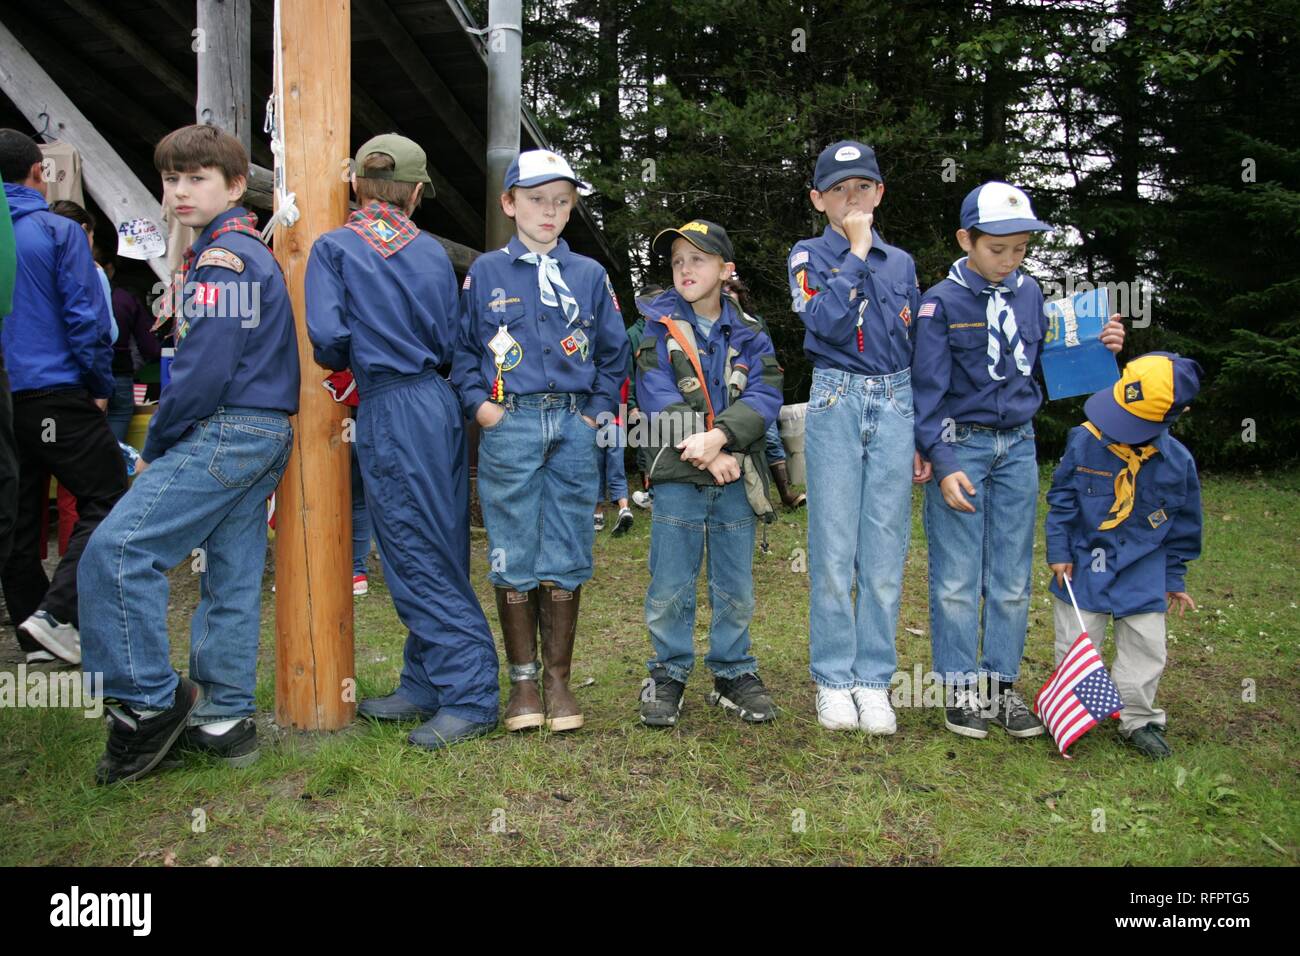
(1164,137)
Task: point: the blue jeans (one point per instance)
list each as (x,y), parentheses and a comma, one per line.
(121,405)
(775,447)
(988,554)
(609,460)
(859,448)
(204,502)
(361,530)
(686,517)
(537,485)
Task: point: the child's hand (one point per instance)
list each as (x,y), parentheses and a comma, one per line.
(140,466)
(1182,600)
(1112,333)
(489,414)
(724,468)
(952,487)
(921,470)
(857,229)
(703,447)
(1062,571)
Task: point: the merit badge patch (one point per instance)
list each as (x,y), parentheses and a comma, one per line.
(224,258)
(1133,392)
(906,315)
(1157,518)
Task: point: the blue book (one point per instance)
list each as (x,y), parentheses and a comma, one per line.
(1074,360)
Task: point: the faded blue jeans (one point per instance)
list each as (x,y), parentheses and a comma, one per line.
(686,518)
(988,555)
(204,502)
(858,447)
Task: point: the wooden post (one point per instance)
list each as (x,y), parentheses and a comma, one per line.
(225,84)
(315,687)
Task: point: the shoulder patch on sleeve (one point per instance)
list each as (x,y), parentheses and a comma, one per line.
(469,280)
(217,256)
(799,258)
(609,286)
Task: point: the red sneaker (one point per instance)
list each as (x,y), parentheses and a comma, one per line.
(360,585)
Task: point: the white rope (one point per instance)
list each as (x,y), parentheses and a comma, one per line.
(286,208)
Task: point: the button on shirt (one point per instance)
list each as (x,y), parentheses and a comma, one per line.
(1129,568)
(977,346)
(587,356)
(831,289)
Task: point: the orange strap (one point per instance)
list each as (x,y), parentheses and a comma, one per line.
(688,347)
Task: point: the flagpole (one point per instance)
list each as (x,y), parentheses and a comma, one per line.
(1069,590)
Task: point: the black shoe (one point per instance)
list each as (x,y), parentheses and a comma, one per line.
(392,707)
(624,523)
(443,730)
(966,717)
(661,699)
(237,747)
(1013,715)
(1150,740)
(136,745)
(746,695)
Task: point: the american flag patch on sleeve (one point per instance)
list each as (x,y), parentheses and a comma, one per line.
(799,258)
(927,310)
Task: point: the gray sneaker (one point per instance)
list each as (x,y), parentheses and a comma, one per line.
(1009,711)
(661,699)
(61,640)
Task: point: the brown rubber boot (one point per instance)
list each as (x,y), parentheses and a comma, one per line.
(782,478)
(559,620)
(518,613)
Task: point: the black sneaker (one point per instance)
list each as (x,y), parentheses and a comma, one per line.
(237,747)
(136,745)
(661,699)
(1012,714)
(966,717)
(746,695)
(1150,740)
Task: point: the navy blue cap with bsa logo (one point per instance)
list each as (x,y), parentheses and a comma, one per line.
(1151,393)
(846,159)
(534,167)
(703,235)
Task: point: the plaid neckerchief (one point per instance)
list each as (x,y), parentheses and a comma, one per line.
(384,227)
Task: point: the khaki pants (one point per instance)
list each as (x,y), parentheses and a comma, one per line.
(1139,658)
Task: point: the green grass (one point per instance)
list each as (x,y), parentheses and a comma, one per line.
(714,790)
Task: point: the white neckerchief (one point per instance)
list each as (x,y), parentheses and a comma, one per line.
(551,286)
(999,317)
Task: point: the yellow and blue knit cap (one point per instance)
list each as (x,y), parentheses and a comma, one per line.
(1151,393)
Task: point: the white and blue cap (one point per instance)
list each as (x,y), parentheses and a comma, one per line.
(999,209)
(846,159)
(537,166)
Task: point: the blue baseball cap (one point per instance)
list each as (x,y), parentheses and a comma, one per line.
(1151,393)
(537,166)
(845,160)
(999,209)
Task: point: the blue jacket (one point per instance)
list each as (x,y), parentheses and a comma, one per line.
(502,290)
(1127,569)
(972,366)
(236,342)
(57,334)
(743,414)
(828,286)
(383,316)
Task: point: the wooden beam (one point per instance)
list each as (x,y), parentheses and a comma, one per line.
(315,685)
(224,67)
(108,179)
(139,51)
(406,53)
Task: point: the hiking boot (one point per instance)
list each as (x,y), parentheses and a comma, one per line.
(1150,740)
(136,743)
(237,747)
(61,640)
(746,696)
(661,699)
(624,523)
(1013,715)
(781,477)
(558,624)
(875,715)
(517,611)
(966,716)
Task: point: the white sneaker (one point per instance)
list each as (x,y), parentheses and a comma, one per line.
(642,499)
(835,709)
(875,715)
(40,657)
(61,640)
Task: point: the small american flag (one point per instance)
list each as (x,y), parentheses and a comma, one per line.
(926,311)
(1080,694)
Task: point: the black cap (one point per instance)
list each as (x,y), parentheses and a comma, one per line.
(702,234)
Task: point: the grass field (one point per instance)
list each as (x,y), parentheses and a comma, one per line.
(714,790)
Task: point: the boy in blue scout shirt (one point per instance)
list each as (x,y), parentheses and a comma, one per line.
(216,449)
(381,300)
(1124,519)
(856,295)
(541,356)
(978,337)
(708,379)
